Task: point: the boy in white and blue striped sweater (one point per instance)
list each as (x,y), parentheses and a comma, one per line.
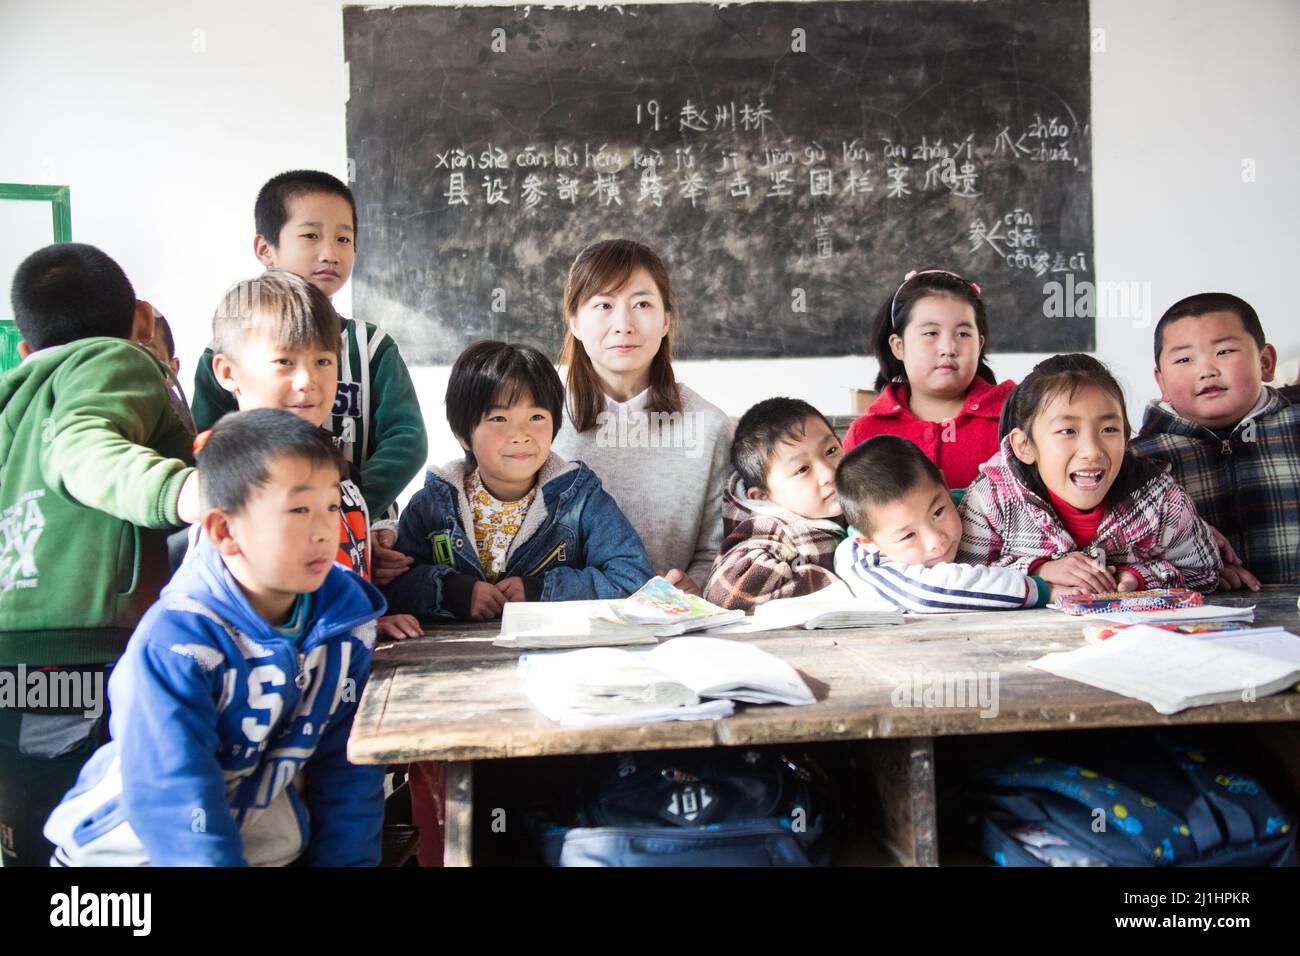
(905,533)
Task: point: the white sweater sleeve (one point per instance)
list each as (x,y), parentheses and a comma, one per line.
(943,588)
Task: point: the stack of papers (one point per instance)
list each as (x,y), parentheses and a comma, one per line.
(1173,671)
(609,686)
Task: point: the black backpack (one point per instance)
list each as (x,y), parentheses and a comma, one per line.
(719,807)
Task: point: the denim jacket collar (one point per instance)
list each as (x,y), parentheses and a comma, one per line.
(557,482)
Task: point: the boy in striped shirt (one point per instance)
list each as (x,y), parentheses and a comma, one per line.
(904,538)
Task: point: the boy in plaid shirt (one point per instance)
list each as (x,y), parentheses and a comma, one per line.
(781,519)
(1233,442)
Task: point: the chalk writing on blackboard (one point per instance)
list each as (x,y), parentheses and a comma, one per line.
(951,134)
(602,175)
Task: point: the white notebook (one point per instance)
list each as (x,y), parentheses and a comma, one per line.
(607,685)
(1173,671)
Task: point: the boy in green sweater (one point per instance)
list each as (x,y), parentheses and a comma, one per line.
(307,224)
(94,470)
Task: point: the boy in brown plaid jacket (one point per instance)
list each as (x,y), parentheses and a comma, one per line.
(781,520)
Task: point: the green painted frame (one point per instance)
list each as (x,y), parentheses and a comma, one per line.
(61,208)
(59,198)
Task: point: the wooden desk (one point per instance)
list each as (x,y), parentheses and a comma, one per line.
(451,696)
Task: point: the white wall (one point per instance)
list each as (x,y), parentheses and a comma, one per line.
(165,118)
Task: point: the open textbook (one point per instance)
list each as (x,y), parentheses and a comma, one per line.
(537,625)
(602,685)
(833,606)
(657,610)
(1172,671)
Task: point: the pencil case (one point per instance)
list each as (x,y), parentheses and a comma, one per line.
(1165,599)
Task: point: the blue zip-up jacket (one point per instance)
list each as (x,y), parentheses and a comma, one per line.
(944,588)
(229,744)
(574,544)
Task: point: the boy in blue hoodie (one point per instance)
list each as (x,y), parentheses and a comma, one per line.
(232,705)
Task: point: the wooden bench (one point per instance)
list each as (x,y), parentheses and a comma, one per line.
(451,696)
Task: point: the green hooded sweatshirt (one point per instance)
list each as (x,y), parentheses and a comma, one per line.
(91,471)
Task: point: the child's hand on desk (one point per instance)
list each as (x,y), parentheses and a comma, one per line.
(512,589)
(1057,591)
(385,563)
(683,581)
(399,626)
(1126,580)
(1077,570)
(1235,578)
(485,602)
(1234,575)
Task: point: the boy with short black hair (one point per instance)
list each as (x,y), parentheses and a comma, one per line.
(781,519)
(94,470)
(234,700)
(1232,440)
(905,534)
(306,223)
(163,347)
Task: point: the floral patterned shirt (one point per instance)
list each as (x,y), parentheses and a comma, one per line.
(495,523)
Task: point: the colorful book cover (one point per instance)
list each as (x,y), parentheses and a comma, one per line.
(660,602)
(1096,633)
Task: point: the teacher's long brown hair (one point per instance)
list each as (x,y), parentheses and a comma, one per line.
(605,267)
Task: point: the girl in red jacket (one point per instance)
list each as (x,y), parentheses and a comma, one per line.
(938,390)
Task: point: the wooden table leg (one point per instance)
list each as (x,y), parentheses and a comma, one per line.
(458,841)
(902,777)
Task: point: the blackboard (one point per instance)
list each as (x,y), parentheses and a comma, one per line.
(790,161)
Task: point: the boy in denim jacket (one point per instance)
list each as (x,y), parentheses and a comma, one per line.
(512,522)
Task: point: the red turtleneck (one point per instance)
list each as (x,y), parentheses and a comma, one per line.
(1082,525)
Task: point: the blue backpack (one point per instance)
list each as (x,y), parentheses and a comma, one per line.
(1149,802)
(720,807)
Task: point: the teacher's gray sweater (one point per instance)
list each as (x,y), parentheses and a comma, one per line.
(667,471)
